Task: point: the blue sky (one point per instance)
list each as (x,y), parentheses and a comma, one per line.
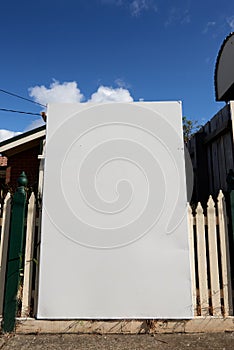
(140,49)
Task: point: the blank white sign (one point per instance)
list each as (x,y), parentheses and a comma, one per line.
(114,228)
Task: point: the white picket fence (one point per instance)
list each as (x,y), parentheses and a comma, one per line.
(209,250)
(210,259)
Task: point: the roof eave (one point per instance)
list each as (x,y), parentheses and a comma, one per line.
(22,139)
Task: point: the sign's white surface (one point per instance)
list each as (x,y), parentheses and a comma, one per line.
(114,228)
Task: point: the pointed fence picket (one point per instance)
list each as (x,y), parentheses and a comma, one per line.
(225,256)
(192,257)
(29,256)
(209,257)
(201,261)
(213,259)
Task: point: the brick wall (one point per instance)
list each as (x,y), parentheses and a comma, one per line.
(26,161)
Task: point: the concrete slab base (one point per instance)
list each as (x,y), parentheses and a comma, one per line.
(197,325)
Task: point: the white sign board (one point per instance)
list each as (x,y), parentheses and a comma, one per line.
(114,228)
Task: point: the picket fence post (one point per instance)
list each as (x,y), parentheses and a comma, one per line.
(192,259)
(213,259)
(202,263)
(225,255)
(28,260)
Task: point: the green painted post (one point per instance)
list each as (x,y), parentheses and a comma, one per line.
(14,261)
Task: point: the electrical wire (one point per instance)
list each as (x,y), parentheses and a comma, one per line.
(12,110)
(23,98)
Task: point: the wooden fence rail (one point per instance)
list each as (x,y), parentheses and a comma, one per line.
(209,256)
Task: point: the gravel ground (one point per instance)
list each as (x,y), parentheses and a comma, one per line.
(221,341)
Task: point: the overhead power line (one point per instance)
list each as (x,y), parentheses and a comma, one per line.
(13,111)
(22,98)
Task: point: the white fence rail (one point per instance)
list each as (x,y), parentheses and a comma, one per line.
(209,251)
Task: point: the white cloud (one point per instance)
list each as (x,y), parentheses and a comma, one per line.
(109,94)
(70,93)
(177,15)
(135,7)
(113,2)
(67,92)
(230,22)
(208,26)
(138,6)
(35,124)
(7,134)
(122,84)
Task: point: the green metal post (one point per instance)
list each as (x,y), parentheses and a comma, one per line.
(14,261)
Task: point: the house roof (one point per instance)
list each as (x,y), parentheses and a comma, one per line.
(23,141)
